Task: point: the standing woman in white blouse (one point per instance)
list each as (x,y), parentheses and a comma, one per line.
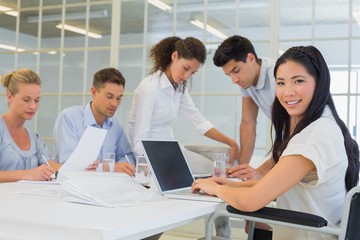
(23,156)
(162,95)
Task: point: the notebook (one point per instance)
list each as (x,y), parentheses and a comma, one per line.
(171,171)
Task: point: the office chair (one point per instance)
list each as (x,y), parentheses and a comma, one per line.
(349,228)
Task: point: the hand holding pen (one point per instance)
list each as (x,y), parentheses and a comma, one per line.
(40,173)
(125,167)
(53,174)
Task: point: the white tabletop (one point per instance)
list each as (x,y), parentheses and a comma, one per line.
(28,217)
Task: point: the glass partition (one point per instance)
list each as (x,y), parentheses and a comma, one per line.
(296,22)
(120,33)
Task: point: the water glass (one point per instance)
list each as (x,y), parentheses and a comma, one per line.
(220,160)
(108,162)
(142,173)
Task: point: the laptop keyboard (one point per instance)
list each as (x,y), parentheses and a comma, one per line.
(189,192)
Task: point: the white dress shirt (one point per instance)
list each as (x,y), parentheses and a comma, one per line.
(155,106)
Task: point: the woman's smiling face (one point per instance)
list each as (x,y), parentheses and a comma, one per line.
(294,88)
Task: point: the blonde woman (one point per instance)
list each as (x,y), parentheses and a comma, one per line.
(23,156)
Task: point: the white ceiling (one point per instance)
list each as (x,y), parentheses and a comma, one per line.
(221,14)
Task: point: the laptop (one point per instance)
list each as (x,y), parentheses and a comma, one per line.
(171,170)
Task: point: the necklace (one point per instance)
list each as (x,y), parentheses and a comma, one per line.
(178,87)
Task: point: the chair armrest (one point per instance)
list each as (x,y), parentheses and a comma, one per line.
(283,215)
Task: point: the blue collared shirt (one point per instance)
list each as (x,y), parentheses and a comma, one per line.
(14,158)
(71,124)
(263,93)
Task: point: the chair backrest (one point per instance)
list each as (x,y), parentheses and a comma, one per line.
(350,229)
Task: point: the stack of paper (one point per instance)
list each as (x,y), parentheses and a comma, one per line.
(96,188)
(104,189)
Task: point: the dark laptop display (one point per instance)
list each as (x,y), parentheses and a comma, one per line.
(168,164)
(171,171)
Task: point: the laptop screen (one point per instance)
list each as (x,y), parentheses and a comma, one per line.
(168,164)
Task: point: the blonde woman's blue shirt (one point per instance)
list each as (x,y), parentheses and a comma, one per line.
(13,158)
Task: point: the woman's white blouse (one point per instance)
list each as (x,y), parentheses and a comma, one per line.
(321,192)
(155,106)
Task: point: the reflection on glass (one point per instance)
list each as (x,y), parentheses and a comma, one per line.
(339,81)
(27,60)
(73,72)
(46,115)
(334,24)
(132,22)
(49,71)
(295,22)
(100,23)
(340,102)
(97,60)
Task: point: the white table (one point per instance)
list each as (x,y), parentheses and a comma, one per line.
(44,217)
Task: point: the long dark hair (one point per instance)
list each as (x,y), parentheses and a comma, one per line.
(188,48)
(311,58)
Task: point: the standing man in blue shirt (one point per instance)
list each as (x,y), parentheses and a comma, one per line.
(238,59)
(107,92)
(255,77)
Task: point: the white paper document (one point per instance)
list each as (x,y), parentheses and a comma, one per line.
(104,189)
(52,182)
(48,192)
(87,150)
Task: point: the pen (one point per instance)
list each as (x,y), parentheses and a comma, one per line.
(127,159)
(46,161)
(54,175)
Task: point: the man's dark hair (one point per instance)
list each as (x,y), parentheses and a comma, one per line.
(111,75)
(234,48)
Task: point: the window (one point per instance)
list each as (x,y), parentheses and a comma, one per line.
(121,33)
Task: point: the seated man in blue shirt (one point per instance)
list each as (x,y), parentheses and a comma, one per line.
(107,91)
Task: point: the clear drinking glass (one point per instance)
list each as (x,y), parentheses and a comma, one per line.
(220,160)
(142,173)
(108,162)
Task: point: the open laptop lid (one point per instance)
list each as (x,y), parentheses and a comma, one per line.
(168,164)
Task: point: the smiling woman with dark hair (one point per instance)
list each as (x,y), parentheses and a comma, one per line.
(314,159)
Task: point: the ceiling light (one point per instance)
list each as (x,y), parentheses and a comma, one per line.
(196,6)
(49,52)
(8,11)
(11,48)
(208,28)
(78,30)
(68,16)
(356,15)
(160,4)
(3,9)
